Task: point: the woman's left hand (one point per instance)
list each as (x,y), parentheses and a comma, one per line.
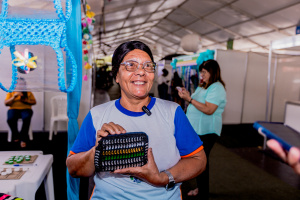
(148,172)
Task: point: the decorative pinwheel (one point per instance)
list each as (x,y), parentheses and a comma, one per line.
(25,62)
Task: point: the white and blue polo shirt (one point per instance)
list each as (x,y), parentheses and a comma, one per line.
(170,136)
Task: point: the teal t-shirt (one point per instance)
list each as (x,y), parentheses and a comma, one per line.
(203,123)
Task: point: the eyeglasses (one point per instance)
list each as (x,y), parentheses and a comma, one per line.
(132,66)
(203,72)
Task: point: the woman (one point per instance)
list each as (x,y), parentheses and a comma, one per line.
(204,112)
(19,107)
(171,155)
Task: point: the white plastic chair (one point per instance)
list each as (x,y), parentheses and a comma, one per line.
(58,113)
(20,121)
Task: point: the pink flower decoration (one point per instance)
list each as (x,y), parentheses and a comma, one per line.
(83,24)
(89,20)
(85,78)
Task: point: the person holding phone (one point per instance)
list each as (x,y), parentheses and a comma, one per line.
(175,152)
(19,103)
(205,109)
(292,157)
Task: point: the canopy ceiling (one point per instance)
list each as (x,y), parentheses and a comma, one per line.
(252,24)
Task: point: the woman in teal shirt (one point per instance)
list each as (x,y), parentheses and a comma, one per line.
(204,112)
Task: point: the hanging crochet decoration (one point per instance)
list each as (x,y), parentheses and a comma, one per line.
(87,23)
(17,31)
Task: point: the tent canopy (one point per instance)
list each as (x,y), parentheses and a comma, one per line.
(162,23)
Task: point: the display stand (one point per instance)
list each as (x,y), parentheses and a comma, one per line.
(186,66)
(286,46)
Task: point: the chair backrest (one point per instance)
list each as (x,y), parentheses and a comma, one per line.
(59,105)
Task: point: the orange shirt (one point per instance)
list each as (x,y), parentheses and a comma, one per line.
(17,103)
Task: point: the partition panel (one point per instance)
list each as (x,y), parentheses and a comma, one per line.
(287,85)
(233,69)
(255,88)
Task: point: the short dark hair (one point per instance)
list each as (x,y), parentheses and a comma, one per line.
(165,72)
(124,49)
(212,66)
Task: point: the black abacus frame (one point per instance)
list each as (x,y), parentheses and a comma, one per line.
(121,142)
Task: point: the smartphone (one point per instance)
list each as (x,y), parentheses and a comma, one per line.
(259,126)
(24,96)
(179,88)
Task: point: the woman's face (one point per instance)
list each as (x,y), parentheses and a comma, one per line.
(21,85)
(135,84)
(205,75)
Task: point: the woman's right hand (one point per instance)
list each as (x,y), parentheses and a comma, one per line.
(184,94)
(148,172)
(10,101)
(109,129)
(16,94)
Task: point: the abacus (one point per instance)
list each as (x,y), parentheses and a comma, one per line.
(121,151)
(20,159)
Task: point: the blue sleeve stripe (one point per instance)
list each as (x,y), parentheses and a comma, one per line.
(187,140)
(86,137)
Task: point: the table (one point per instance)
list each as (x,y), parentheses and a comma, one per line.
(28,184)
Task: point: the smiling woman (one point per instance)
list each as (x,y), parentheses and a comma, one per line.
(135,84)
(175,151)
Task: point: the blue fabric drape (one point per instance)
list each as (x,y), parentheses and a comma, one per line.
(74,42)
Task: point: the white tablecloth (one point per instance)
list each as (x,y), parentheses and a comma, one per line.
(28,184)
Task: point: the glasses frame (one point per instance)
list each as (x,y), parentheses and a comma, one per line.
(143,65)
(203,72)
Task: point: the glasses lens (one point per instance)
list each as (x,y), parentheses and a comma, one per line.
(131,66)
(149,66)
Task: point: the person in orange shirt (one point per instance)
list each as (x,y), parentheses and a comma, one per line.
(19,107)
